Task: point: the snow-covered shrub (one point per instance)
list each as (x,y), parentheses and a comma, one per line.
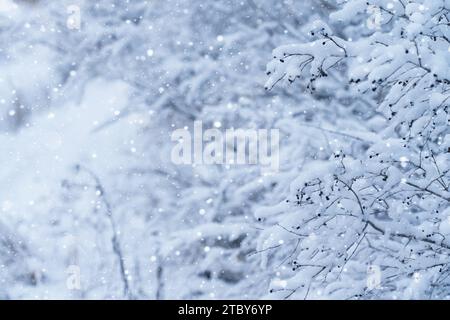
(386,208)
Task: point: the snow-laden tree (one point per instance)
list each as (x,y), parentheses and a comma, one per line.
(108,200)
(376,224)
(136,225)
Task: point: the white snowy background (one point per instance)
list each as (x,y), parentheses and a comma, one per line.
(92,207)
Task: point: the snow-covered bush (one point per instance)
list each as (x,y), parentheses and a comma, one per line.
(87,108)
(386,209)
